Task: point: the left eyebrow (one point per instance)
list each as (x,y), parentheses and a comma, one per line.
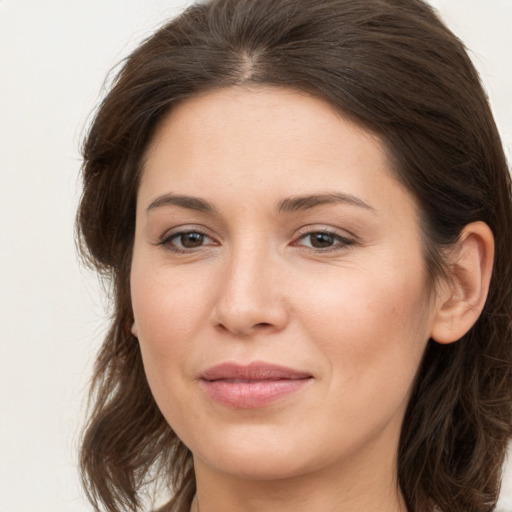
(300,203)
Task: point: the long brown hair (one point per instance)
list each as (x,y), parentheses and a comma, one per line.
(392,66)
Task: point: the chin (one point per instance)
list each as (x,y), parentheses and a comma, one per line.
(252,452)
(259,463)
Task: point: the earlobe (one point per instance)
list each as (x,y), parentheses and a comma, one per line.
(134,330)
(462,296)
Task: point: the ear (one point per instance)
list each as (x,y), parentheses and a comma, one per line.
(462,295)
(134,329)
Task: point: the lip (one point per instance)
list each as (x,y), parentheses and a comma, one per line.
(251,386)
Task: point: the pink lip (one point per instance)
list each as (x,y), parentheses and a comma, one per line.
(251,386)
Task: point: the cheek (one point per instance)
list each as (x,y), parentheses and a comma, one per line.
(370,326)
(372,340)
(168,308)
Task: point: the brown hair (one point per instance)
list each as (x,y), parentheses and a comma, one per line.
(391,65)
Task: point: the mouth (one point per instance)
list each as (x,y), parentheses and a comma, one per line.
(251,386)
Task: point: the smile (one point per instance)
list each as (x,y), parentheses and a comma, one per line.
(252,386)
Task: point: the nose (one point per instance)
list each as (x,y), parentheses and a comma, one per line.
(251,297)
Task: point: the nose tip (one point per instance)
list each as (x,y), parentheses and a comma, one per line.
(251,301)
(251,317)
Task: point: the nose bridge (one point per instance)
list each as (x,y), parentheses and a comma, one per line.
(250,297)
(248,273)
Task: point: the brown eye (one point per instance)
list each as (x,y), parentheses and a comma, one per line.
(321,240)
(184,241)
(191,240)
(324,241)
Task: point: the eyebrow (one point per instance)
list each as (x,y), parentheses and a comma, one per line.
(300,203)
(288,205)
(190,202)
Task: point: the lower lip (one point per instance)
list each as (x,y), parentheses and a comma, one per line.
(252,394)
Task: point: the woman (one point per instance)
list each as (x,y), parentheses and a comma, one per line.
(305,211)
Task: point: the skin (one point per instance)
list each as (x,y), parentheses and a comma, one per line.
(355,313)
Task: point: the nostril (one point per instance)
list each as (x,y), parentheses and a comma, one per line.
(262,324)
(248,318)
(242,331)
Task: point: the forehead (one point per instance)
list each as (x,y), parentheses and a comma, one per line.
(268,114)
(262,141)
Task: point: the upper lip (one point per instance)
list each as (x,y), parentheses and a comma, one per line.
(255,371)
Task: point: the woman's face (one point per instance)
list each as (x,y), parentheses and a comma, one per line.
(278,285)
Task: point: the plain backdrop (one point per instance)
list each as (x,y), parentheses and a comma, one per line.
(54,56)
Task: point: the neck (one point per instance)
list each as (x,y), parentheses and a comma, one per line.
(324,490)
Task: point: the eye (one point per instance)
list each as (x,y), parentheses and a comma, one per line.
(184,241)
(323,240)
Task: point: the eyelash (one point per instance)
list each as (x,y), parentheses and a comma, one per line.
(339,241)
(166,241)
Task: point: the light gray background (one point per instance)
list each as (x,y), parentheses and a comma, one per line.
(54,55)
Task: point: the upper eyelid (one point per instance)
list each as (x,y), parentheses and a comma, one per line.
(185,228)
(341,240)
(187,231)
(325,232)
(319,228)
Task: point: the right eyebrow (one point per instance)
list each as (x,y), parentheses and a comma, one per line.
(192,203)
